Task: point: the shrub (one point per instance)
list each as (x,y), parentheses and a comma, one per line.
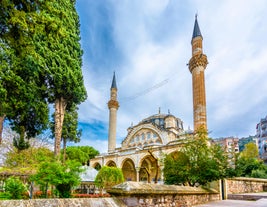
(108,177)
(15,188)
(5,196)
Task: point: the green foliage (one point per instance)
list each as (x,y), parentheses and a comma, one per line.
(63,177)
(15,188)
(20,143)
(81,154)
(29,158)
(250,151)
(250,167)
(41,62)
(25,106)
(259,173)
(5,196)
(248,164)
(108,177)
(196,163)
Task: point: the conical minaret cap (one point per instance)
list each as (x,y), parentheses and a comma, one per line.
(196,32)
(114,85)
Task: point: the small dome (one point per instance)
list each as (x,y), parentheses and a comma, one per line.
(89,174)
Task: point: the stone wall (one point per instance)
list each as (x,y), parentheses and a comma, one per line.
(245,185)
(178,200)
(136,194)
(72,202)
(130,194)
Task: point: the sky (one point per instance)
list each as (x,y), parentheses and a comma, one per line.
(148,45)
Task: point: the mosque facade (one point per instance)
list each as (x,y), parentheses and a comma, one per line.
(142,151)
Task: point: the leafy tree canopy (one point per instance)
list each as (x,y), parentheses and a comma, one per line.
(81,154)
(248,163)
(27,161)
(25,106)
(197,163)
(250,151)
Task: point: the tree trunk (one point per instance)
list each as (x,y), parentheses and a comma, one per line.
(64,149)
(60,106)
(2,119)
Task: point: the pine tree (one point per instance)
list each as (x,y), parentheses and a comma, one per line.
(61,52)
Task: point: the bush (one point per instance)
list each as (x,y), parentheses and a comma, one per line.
(259,174)
(5,196)
(15,188)
(62,176)
(108,177)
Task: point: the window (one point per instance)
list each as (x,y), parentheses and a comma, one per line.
(155,136)
(137,139)
(143,136)
(148,135)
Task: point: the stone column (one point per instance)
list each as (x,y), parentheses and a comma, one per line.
(137,173)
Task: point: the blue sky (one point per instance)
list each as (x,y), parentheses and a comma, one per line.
(148,44)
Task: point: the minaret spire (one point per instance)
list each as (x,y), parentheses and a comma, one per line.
(197,65)
(113,106)
(114,85)
(196,31)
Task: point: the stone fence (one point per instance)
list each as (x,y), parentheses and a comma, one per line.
(130,194)
(71,202)
(245,185)
(136,194)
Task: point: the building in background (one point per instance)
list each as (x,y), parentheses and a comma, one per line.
(261,137)
(230,145)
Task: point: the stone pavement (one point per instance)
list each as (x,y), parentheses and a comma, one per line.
(262,202)
(235,203)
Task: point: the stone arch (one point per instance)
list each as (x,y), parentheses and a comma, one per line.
(97,166)
(149,169)
(128,169)
(111,163)
(126,142)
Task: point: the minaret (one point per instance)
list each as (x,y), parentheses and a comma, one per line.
(197,66)
(113,106)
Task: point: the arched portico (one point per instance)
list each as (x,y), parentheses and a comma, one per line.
(149,169)
(97,166)
(111,163)
(129,171)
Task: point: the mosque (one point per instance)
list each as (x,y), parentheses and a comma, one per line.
(143,149)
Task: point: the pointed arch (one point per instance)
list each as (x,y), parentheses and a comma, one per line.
(97,166)
(128,169)
(148,169)
(111,163)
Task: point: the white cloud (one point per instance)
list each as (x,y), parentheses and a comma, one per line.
(154,40)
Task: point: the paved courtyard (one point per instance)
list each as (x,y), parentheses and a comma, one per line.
(262,202)
(236,203)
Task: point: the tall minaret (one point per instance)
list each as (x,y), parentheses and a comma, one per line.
(197,65)
(113,106)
